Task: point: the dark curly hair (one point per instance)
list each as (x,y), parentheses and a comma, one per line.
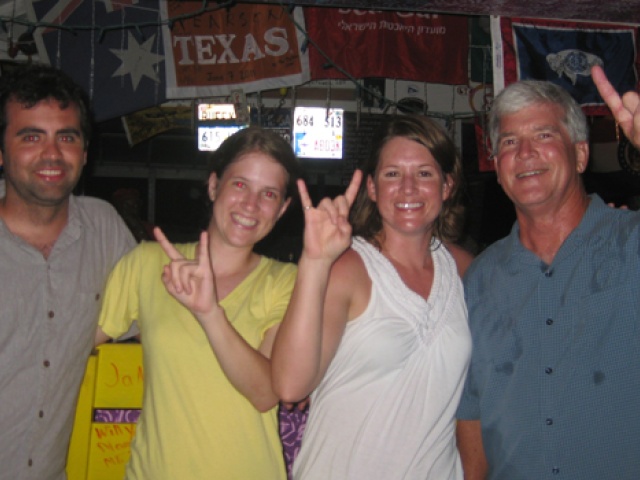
(31,84)
(365,217)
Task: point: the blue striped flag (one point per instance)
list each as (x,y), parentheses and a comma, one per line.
(122,69)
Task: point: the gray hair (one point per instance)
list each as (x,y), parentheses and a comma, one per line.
(526,93)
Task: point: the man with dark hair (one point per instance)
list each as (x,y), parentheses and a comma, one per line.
(56,251)
(554,308)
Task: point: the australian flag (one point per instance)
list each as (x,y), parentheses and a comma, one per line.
(564,52)
(112,48)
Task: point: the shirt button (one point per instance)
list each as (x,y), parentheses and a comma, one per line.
(548,370)
(30,462)
(549,321)
(555,470)
(549,421)
(548,273)
(46,363)
(41,414)
(51,314)
(97,296)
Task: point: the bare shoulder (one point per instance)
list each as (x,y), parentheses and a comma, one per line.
(348,267)
(461,256)
(349,263)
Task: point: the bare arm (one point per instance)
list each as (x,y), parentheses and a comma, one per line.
(192,283)
(101,337)
(469,437)
(625,110)
(319,308)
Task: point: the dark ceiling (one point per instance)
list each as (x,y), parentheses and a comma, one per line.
(617,11)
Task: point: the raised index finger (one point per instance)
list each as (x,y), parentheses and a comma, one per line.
(352,189)
(304,194)
(203,249)
(606,90)
(166,245)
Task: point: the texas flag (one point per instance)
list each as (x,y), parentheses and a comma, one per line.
(113,48)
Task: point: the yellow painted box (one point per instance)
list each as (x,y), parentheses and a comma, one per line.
(108,407)
(119,376)
(109,450)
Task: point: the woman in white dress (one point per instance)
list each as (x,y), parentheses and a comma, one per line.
(376,330)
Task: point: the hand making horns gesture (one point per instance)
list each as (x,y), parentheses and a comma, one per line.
(191,282)
(625,110)
(327,232)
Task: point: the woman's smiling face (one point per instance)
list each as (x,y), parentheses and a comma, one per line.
(409,187)
(248,199)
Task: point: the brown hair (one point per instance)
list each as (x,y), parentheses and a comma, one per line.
(256,139)
(365,217)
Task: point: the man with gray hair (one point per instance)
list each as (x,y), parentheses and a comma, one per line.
(554,307)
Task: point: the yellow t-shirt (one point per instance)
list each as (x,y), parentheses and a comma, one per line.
(194,423)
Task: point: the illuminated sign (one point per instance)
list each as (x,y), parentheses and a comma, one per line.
(210,137)
(318,132)
(217,121)
(216,111)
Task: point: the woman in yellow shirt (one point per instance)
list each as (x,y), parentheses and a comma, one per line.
(208,314)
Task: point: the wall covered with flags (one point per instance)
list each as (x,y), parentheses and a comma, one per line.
(133,55)
(145,62)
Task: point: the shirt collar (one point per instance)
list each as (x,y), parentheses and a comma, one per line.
(597,212)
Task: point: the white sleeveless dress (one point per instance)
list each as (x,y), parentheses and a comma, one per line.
(385,408)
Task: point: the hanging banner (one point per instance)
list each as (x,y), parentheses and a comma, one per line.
(248,47)
(120,69)
(563,52)
(401,45)
(149,122)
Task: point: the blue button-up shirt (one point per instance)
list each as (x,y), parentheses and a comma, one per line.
(555,371)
